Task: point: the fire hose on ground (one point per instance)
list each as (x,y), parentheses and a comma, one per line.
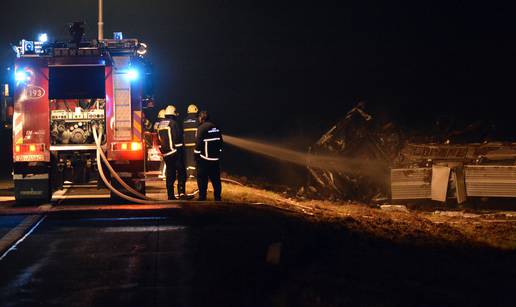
(143,199)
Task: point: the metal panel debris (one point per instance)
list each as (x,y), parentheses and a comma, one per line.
(490,180)
(440,180)
(411,183)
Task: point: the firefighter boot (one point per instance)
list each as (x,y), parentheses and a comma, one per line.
(181,187)
(170,192)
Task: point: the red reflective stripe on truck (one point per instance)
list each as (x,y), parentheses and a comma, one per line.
(137,125)
(18,128)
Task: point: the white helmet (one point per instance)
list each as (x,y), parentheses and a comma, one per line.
(192,109)
(171,110)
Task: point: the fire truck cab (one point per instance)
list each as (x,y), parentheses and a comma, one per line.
(64,90)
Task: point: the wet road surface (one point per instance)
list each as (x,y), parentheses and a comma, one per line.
(235,256)
(9,222)
(145,260)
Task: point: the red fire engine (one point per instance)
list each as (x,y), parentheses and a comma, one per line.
(64,90)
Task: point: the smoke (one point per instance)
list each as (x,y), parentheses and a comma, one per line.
(373,169)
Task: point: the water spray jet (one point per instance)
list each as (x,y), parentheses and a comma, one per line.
(371,168)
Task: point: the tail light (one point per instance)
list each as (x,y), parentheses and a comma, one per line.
(29,148)
(126,146)
(136,146)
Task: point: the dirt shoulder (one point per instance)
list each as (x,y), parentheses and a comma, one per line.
(397,224)
(394,223)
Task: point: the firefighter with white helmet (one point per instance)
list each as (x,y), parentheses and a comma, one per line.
(190,124)
(170,135)
(161,115)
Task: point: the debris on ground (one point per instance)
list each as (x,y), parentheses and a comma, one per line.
(456,214)
(357,136)
(393,222)
(397,208)
(447,161)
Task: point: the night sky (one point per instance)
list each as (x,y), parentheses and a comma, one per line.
(292,68)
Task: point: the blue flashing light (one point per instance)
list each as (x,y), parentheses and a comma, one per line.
(118,35)
(21,76)
(132,74)
(28,46)
(43,38)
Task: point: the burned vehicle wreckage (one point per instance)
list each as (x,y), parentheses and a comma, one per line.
(450,165)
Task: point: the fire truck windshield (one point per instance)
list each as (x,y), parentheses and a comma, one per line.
(76,82)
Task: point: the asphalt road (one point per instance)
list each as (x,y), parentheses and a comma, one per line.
(148,259)
(9,222)
(238,256)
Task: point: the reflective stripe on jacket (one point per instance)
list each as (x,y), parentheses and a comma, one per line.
(190,130)
(209,142)
(170,135)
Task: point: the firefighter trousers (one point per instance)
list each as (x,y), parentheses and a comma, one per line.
(175,169)
(190,161)
(208,170)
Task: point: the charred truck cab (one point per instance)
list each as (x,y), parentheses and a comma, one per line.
(64,90)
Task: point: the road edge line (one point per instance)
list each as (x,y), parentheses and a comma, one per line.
(19,233)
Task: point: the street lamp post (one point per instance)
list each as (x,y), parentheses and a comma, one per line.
(101,20)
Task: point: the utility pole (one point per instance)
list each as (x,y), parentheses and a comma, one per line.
(101,20)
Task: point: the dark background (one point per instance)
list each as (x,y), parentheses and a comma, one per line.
(287,70)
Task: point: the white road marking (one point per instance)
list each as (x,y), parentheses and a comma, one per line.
(21,230)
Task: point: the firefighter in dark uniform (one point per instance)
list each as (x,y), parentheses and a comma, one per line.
(150,115)
(161,116)
(190,124)
(208,149)
(170,136)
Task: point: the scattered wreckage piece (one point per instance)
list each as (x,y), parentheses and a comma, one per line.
(356,137)
(443,171)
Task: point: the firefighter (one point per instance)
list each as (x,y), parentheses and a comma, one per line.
(162,168)
(208,149)
(190,124)
(149,112)
(170,136)
(161,115)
